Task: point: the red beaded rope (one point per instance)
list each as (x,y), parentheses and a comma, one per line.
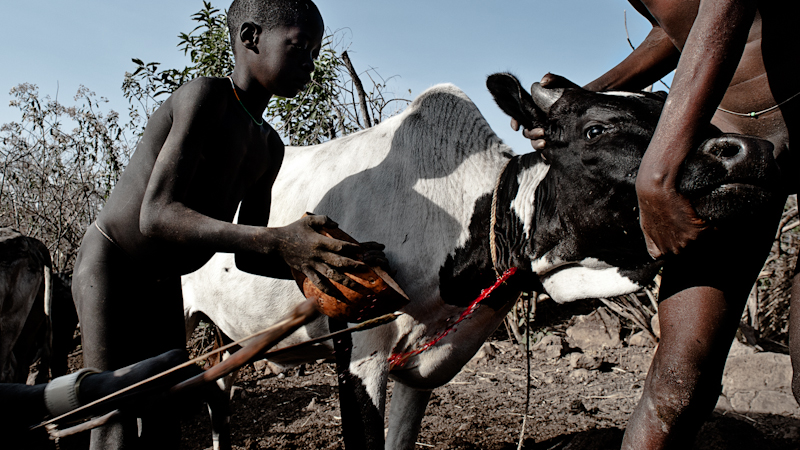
(400,359)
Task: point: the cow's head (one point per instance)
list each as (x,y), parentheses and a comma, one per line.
(583,235)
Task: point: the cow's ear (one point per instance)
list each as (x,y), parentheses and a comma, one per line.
(514,100)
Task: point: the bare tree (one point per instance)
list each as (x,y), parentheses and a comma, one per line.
(59,163)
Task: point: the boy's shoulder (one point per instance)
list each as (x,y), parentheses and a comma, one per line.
(202,91)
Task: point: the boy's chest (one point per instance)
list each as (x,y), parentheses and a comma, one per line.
(226,171)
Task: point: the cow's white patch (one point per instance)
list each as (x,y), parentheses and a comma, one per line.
(590,278)
(439,190)
(523,204)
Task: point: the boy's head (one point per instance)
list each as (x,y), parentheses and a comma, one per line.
(269,14)
(276,41)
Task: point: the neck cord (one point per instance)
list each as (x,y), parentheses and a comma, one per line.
(755,114)
(493,221)
(244,107)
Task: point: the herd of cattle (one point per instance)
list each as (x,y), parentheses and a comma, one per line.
(457,209)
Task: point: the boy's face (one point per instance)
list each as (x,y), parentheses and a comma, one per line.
(286,56)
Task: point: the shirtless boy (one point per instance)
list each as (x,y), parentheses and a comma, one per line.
(732,57)
(205,150)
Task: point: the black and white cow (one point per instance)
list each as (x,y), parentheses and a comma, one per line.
(456,208)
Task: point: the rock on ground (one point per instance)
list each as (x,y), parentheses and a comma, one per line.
(758,383)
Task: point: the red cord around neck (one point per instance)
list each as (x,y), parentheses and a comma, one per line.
(400,359)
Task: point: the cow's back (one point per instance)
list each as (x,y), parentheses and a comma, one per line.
(409,183)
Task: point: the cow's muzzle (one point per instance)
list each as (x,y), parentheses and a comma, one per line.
(730,175)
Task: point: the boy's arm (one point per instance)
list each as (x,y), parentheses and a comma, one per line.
(255,210)
(709,59)
(164,214)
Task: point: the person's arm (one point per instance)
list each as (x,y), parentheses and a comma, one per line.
(652,60)
(709,59)
(164,214)
(255,210)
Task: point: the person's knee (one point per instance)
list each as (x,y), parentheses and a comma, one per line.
(680,392)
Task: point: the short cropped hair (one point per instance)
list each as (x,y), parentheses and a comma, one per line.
(268,14)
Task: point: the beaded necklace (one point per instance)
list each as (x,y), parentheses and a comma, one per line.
(755,114)
(244,107)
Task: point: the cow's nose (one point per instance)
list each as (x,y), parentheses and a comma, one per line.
(735,149)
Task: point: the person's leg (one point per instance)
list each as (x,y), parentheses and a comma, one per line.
(92,291)
(161,329)
(794,331)
(704,291)
(125,316)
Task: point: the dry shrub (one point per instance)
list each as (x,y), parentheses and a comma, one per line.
(766,318)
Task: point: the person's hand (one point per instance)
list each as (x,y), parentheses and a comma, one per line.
(668,220)
(536,135)
(319,257)
(373,256)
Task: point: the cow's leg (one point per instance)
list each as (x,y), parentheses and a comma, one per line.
(704,291)
(406,411)
(126,316)
(219,408)
(219,402)
(362,390)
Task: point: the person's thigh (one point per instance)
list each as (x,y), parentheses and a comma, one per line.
(126,315)
(704,290)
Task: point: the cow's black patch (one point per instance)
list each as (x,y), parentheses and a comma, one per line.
(469,269)
(586,206)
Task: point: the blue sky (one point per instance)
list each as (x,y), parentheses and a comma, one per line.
(59,45)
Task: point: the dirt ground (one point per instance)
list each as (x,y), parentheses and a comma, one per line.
(481,408)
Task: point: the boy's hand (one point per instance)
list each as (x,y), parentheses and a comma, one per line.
(372,255)
(319,257)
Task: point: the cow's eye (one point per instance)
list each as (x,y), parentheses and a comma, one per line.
(594,131)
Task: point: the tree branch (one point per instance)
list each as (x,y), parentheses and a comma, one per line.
(362,96)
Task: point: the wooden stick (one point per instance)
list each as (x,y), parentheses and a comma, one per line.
(305,310)
(301,315)
(255,350)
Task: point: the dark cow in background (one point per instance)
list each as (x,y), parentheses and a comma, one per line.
(64,321)
(458,211)
(25,302)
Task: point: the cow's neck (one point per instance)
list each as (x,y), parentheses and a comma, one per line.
(470,269)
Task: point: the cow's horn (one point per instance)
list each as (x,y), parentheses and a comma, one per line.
(544,97)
